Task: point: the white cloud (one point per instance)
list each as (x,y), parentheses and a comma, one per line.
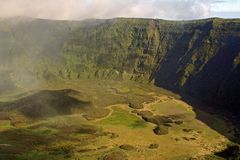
(83,9)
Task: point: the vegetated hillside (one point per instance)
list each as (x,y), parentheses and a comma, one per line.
(201,58)
(47,103)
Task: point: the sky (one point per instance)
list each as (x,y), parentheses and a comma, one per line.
(86,9)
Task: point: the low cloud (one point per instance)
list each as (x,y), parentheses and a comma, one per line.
(84,9)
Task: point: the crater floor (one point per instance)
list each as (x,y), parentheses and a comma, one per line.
(106,120)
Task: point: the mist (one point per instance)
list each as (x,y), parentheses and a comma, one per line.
(84,9)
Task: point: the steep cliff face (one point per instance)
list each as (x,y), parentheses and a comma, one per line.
(201,58)
(205,63)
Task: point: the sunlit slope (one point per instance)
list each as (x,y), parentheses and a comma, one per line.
(197,57)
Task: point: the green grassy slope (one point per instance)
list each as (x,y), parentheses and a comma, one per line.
(197,57)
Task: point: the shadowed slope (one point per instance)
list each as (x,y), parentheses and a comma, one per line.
(47,103)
